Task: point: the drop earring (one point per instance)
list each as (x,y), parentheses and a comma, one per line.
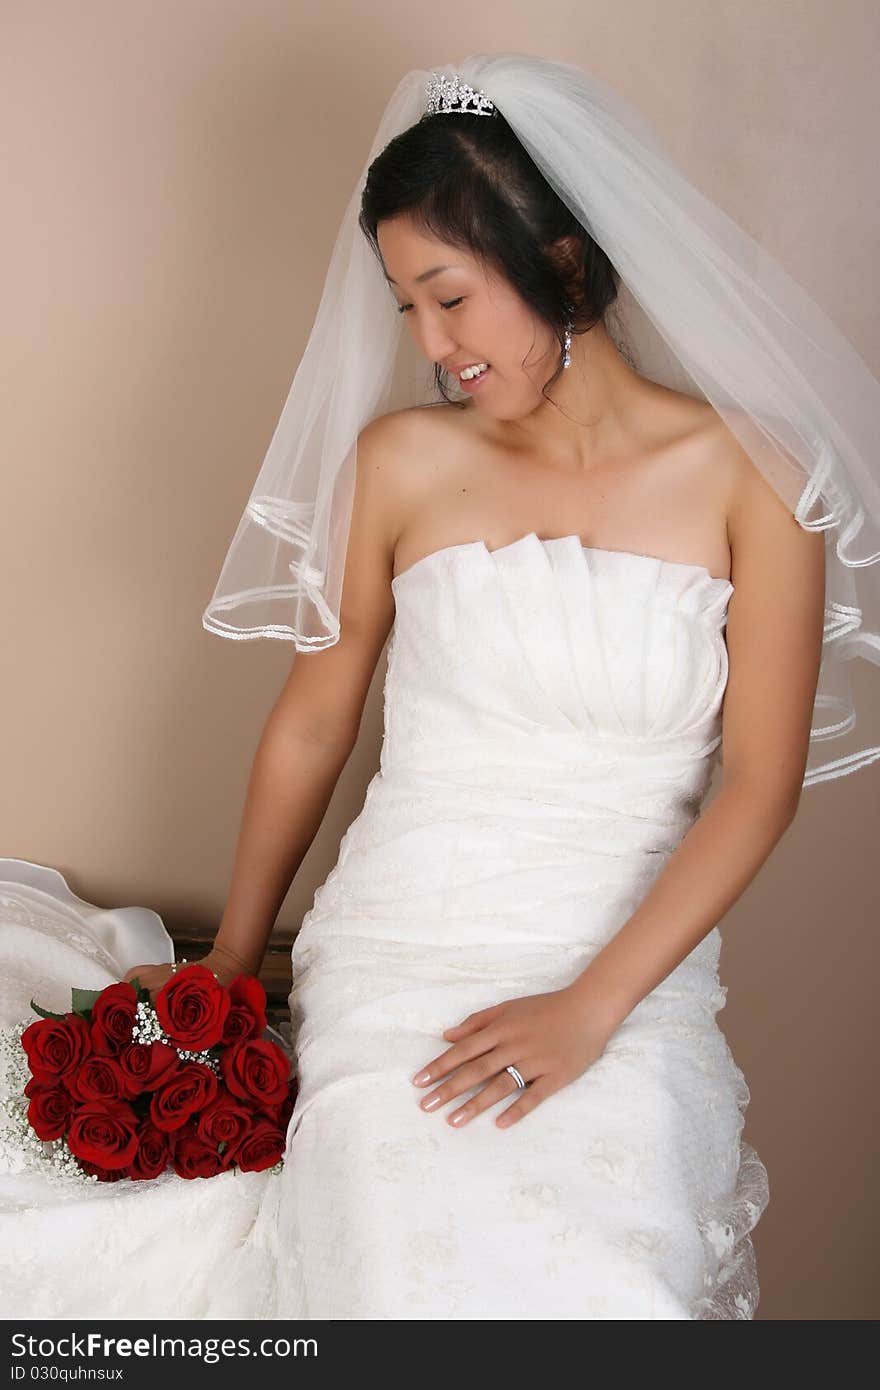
(566,360)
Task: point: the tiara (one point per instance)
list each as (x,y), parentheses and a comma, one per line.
(450,95)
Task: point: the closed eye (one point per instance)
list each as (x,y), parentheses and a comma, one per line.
(450,304)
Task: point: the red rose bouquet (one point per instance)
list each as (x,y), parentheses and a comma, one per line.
(120,1087)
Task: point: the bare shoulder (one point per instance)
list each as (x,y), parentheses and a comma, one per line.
(693,433)
(765,539)
(399,457)
(768,544)
(400,430)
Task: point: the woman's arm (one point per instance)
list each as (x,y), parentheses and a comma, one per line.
(313,726)
(292,780)
(774,641)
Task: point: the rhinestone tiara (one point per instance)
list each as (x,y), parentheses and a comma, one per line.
(449,95)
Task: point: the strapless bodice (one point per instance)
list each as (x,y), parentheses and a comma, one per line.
(552,715)
(550,650)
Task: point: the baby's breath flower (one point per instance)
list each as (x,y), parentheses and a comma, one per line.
(21,1150)
(148,1029)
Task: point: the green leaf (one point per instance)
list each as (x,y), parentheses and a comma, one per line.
(45,1013)
(221,1146)
(83,999)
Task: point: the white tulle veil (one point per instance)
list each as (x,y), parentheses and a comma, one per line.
(705,308)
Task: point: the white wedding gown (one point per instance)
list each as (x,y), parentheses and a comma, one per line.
(552,719)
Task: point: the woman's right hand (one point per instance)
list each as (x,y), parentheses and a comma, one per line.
(153,977)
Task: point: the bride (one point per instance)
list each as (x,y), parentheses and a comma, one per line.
(515,1100)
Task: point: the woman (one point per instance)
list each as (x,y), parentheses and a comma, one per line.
(515,1099)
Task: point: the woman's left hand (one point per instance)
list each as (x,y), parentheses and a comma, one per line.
(550,1038)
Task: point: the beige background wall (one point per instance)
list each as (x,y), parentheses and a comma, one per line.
(175,172)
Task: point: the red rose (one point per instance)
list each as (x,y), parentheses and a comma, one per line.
(262,1148)
(49,1110)
(154,1152)
(280,1113)
(247,1011)
(193,1158)
(192,1007)
(256,1070)
(104,1133)
(55,1046)
(148,1065)
(191,1088)
(224,1120)
(99,1078)
(113,1018)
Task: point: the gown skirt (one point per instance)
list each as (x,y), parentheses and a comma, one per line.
(552,718)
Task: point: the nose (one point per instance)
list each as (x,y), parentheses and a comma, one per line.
(434,341)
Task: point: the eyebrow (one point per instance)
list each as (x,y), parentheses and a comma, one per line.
(426,274)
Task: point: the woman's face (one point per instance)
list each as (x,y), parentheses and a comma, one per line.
(462,315)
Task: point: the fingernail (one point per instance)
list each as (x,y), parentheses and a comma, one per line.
(420,1078)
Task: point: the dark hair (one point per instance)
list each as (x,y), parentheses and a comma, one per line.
(468,180)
